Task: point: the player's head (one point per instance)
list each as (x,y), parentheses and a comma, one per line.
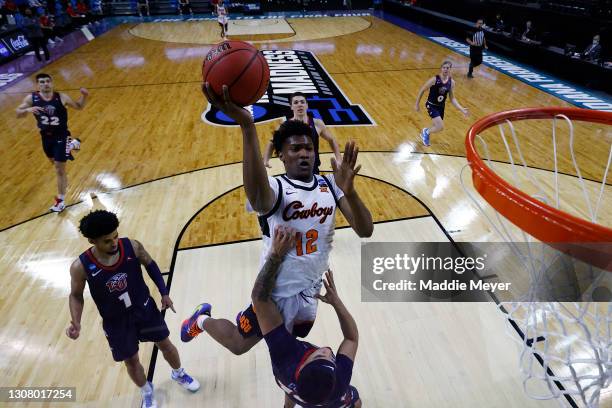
(293,144)
(479,23)
(445,68)
(596,39)
(316,378)
(45,82)
(100,229)
(298,103)
(528,24)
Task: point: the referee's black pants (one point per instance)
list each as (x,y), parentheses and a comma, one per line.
(475,58)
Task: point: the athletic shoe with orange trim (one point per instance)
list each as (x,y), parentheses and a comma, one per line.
(189,328)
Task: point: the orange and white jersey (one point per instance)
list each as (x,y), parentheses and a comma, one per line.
(309,208)
(222,15)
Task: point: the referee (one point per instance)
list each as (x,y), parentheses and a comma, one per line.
(477,43)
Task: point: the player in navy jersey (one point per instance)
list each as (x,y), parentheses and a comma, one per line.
(112,269)
(440,87)
(309,375)
(49,109)
(299,108)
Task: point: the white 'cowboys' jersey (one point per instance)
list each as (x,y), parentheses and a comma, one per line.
(310,208)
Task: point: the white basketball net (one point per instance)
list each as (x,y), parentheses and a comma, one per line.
(565,346)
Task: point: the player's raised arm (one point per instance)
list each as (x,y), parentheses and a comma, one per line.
(268,315)
(78,105)
(75,300)
(256,185)
(348,347)
(355,211)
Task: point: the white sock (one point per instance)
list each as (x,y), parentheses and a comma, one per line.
(200,321)
(178,372)
(61,197)
(146,389)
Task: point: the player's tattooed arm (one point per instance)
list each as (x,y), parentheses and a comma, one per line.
(268,315)
(283,240)
(142,254)
(266,280)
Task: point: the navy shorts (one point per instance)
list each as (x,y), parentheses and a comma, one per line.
(54,144)
(248,325)
(435,110)
(136,325)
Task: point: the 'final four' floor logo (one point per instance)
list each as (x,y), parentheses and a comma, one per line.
(298,71)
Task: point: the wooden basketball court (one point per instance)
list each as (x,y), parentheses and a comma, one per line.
(176,184)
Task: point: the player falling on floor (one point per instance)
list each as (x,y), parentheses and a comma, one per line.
(440,87)
(310,376)
(299,109)
(112,269)
(49,109)
(299,199)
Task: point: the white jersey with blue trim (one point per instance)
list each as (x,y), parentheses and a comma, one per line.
(309,208)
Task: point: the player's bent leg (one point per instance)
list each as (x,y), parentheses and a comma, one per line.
(437,125)
(170,353)
(135,370)
(227,334)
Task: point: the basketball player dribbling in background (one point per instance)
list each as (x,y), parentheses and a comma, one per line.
(440,87)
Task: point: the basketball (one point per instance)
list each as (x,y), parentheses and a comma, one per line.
(241,67)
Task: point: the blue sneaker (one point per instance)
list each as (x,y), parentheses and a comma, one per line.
(184,379)
(148,400)
(189,327)
(425,136)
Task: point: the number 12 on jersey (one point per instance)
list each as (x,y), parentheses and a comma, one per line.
(311,238)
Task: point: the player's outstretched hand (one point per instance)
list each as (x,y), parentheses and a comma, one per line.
(73,330)
(284,239)
(225,105)
(166,303)
(84,92)
(331,294)
(345,172)
(466,112)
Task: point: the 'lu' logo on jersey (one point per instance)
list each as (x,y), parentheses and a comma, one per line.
(298,71)
(117,282)
(50,109)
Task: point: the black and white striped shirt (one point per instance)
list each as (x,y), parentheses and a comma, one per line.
(478,38)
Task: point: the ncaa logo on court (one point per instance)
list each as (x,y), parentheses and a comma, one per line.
(298,71)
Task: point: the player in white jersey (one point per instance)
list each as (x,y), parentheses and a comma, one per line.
(301,200)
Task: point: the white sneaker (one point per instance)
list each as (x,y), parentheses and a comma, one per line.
(75,143)
(59,206)
(148,400)
(186,380)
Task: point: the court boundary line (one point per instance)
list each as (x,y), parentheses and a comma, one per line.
(154,353)
(238,162)
(255,41)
